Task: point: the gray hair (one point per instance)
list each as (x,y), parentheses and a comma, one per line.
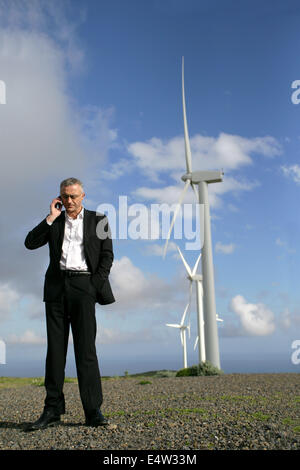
(70,182)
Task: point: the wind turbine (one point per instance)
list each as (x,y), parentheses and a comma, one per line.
(183,329)
(197,278)
(202,179)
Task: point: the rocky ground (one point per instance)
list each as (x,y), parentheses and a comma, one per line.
(232,411)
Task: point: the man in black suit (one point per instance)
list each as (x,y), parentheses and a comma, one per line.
(81,256)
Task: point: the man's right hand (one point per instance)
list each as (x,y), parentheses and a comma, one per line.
(54,213)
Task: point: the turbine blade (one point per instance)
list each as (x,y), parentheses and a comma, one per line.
(197,339)
(196,265)
(188,156)
(196,192)
(181,337)
(184,262)
(190,291)
(190,298)
(187,183)
(184,314)
(173,325)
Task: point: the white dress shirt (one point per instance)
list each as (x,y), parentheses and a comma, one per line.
(72,255)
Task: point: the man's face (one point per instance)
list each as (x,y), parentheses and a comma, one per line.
(72,197)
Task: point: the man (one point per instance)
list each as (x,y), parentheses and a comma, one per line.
(81,256)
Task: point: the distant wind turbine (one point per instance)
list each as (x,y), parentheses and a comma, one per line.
(197,278)
(183,329)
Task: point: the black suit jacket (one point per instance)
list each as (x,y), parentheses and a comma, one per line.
(98,254)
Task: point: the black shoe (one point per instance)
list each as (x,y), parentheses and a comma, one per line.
(49,417)
(95,418)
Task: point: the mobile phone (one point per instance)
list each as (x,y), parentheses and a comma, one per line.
(58,205)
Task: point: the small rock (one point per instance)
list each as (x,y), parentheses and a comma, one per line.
(112,426)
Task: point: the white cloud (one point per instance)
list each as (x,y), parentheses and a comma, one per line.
(225,249)
(95,133)
(284,245)
(118,169)
(41,16)
(289,319)
(292,171)
(171,194)
(9,298)
(285,319)
(128,279)
(133,287)
(32,306)
(256,319)
(138,291)
(113,336)
(229,152)
(28,337)
(154,249)
(279,242)
(233,208)
(42,128)
(44,133)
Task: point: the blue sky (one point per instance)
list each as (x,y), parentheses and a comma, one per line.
(94,91)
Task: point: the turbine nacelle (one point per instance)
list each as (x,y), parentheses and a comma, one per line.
(207,176)
(181,325)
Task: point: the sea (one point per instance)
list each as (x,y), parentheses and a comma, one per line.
(119,365)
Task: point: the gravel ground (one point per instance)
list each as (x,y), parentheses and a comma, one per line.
(232,411)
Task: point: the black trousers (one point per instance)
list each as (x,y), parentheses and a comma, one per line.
(76,308)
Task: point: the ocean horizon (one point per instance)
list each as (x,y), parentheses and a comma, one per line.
(117,366)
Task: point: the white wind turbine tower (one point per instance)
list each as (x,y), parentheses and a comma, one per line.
(197,278)
(183,329)
(202,179)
